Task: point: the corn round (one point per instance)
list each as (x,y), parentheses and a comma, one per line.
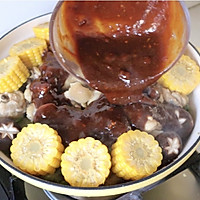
(135,155)
(37,149)
(30,51)
(86,163)
(13,73)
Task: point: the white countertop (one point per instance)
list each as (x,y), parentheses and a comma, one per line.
(15,12)
(195,24)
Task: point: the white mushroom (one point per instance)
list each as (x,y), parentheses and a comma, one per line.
(70,79)
(30,111)
(95,96)
(35,73)
(162,94)
(152,126)
(81,94)
(174,145)
(173,97)
(28,93)
(8,130)
(12,104)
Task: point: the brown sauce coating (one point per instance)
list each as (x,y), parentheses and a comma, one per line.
(170,117)
(48,88)
(101,119)
(122,46)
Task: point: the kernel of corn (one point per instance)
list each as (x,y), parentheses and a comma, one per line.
(13,73)
(135,155)
(42,31)
(183,77)
(37,149)
(85,163)
(30,51)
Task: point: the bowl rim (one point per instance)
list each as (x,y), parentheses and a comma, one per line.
(65,63)
(59,56)
(102,190)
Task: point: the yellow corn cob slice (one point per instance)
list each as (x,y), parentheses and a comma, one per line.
(135,155)
(37,149)
(86,163)
(42,31)
(13,73)
(183,77)
(30,51)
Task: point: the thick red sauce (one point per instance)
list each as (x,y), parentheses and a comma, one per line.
(120,46)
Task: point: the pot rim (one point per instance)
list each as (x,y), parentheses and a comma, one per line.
(101,190)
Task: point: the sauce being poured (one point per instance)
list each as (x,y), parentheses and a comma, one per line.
(120,47)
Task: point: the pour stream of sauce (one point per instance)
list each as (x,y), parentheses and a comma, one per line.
(121,47)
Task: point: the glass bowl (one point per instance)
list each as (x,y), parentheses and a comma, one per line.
(105,45)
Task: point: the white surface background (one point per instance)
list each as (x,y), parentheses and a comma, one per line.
(15,12)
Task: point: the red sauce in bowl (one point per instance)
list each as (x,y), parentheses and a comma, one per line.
(121,47)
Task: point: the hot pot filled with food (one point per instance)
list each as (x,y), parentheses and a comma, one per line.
(102,100)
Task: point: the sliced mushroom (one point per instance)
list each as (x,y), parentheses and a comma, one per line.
(160,118)
(8,131)
(152,126)
(163,95)
(171,145)
(12,104)
(28,94)
(81,95)
(30,111)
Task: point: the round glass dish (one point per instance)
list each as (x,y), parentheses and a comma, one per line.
(119,54)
